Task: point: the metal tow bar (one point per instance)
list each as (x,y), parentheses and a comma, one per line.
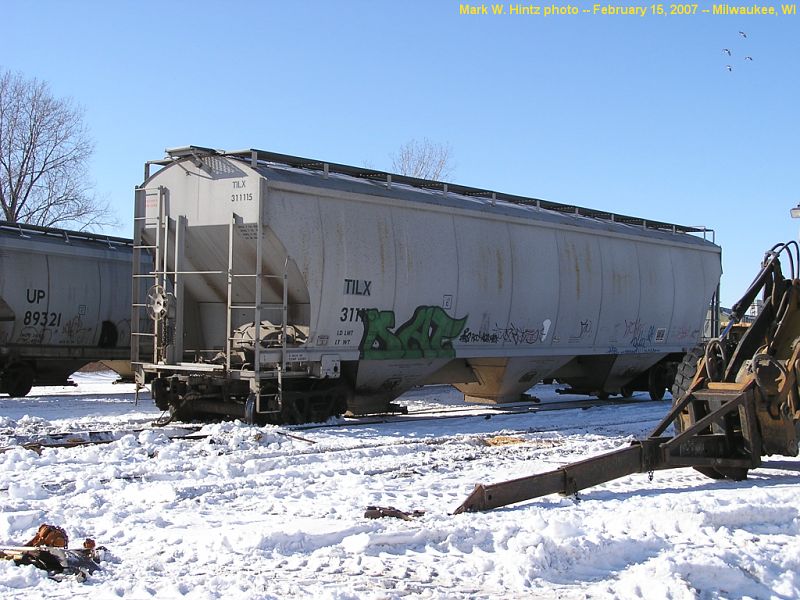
(693,447)
(566,480)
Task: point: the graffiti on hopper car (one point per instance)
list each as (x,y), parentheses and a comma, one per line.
(512,334)
(640,335)
(75,332)
(479,337)
(645,339)
(684,333)
(427,334)
(584,329)
(634,328)
(34,335)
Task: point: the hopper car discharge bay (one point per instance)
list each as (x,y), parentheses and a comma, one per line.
(289,290)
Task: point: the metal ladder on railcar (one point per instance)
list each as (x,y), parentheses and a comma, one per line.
(254,400)
(152,306)
(138,303)
(162,295)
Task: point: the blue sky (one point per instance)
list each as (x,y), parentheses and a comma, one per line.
(636,115)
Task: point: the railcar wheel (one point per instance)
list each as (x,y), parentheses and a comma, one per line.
(181,409)
(250,409)
(656,382)
(310,405)
(626,391)
(17,380)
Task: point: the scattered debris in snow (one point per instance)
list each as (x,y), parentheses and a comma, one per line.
(48,551)
(248,512)
(378,512)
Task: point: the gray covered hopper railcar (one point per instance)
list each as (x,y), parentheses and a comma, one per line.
(290,289)
(64,302)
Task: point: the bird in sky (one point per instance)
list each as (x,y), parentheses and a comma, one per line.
(730,68)
(726,51)
(750,58)
(743,34)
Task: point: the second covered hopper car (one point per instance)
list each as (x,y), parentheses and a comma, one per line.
(64,302)
(290,289)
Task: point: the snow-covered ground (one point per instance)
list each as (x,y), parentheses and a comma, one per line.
(250,512)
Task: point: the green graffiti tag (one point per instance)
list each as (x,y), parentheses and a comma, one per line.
(427,334)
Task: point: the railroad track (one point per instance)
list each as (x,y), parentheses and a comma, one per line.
(472,411)
(181,431)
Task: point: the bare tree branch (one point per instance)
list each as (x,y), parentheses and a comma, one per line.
(423,159)
(44,151)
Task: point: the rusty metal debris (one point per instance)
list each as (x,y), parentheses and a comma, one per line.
(49,535)
(378,512)
(47,550)
(503,440)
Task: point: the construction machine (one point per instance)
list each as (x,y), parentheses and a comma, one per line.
(735,399)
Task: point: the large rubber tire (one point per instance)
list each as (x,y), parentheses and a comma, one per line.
(686,371)
(683,379)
